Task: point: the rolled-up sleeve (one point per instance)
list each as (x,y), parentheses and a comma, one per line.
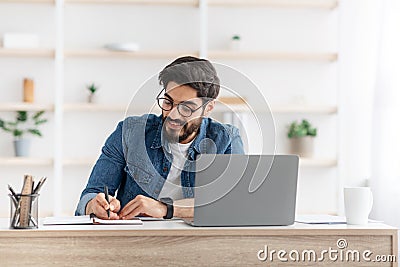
(108,170)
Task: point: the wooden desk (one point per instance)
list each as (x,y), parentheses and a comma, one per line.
(177,244)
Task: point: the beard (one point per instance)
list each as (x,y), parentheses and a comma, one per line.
(186,130)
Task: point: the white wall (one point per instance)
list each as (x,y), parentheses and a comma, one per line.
(358,46)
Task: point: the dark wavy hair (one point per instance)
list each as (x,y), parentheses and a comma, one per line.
(195,72)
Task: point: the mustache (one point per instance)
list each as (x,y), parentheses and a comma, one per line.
(178,121)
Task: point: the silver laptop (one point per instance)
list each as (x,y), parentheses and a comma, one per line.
(245,190)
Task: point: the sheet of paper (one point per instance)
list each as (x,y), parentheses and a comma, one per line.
(325,219)
(320,219)
(145,218)
(67,220)
(136,221)
(86,220)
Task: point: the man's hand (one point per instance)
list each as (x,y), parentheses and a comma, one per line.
(144,206)
(99,207)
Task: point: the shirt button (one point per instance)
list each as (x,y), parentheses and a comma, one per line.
(165,169)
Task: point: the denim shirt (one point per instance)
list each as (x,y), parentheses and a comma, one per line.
(136,161)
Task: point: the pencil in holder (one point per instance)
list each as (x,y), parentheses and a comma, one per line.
(24,211)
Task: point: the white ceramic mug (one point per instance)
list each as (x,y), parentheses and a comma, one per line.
(358,204)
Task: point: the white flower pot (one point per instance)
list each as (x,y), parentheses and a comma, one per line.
(22,147)
(91,98)
(302,146)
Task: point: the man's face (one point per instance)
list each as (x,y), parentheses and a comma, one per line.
(177,128)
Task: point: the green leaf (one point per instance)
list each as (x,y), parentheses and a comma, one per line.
(7,129)
(22,116)
(35,132)
(92,88)
(305,124)
(5,126)
(312,132)
(301,130)
(38,114)
(40,122)
(18,133)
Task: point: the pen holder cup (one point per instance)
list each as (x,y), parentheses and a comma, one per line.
(24,211)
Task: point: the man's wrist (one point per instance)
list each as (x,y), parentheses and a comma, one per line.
(169,203)
(88,209)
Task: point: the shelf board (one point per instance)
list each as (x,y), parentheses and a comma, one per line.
(315,162)
(309,4)
(71,162)
(280,109)
(260,55)
(34,52)
(25,107)
(309,109)
(28,1)
(23,161)
(313,4)
(138,2)
(118,54)
(86,107)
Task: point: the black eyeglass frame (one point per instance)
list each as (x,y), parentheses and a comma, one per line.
(158,98)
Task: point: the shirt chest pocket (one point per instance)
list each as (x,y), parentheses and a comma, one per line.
(138,174)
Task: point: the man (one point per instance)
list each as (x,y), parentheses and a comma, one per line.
(149,160)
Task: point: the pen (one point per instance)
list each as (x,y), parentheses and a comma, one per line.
(39,185)
(13,192)
(15,199)
(108,200)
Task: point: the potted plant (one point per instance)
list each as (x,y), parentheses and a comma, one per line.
(301,137)
(92,90)
(22,125)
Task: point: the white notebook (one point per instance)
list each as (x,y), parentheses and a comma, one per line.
(87,219)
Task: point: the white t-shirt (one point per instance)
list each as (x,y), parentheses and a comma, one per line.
(172,187)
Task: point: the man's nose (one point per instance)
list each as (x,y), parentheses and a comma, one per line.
(173,113)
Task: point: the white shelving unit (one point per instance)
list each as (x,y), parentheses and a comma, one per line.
(310,162)
(85,107)
(26,107)
(138,2)
(276,109)
(85,162)
(265,55)
(28,1)
(100,53)
(21,161)
(322,112)
(46,53)
(280,109)
(318,4)
(60,53)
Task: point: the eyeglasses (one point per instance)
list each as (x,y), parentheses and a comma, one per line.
(184,110)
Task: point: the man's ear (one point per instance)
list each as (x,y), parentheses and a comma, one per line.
(209,107)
